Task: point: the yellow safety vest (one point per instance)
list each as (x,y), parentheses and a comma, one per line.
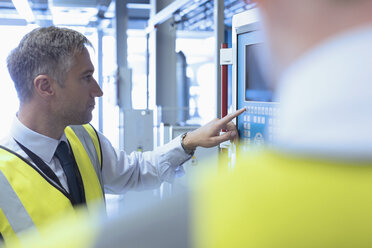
(277,200)
(28,199)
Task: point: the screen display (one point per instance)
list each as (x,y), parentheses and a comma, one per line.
(256,86)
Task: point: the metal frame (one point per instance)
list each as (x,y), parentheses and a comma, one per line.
(165,14)
(242,22)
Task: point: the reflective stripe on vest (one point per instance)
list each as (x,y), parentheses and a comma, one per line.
(28,198)
(16,214)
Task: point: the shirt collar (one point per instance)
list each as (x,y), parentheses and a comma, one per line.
(41,145)
(325,99)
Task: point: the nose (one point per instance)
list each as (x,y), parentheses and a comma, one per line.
(96,91)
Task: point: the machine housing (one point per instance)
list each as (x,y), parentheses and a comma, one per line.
(250,87)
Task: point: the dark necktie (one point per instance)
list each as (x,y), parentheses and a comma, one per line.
(67,163)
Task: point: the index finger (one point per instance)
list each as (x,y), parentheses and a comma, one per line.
(231,116)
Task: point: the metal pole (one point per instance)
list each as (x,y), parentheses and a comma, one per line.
(123,77)
(100,79)
(147,70)
(219,28)
(121,18)
(224,78)
(166,60)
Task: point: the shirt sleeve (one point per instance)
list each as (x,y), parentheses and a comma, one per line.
(122,172)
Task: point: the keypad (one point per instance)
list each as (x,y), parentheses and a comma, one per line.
(258,123)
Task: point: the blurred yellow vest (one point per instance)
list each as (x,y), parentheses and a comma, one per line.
(276,200)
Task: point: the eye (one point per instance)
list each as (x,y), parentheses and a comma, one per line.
(88,78)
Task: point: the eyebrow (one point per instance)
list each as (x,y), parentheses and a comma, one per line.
(87,72)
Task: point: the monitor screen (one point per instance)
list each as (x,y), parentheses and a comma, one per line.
(256,87)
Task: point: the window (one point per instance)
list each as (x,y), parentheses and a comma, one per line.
(9,102)
(200,54)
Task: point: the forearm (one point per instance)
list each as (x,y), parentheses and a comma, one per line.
(140,171)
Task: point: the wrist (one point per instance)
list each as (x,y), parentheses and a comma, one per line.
(186,144)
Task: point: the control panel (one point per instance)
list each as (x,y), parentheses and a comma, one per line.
(258,125)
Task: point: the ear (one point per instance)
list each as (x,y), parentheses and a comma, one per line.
(44,86)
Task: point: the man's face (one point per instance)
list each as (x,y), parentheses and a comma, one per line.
(76,99)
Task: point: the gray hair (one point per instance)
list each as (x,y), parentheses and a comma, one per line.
(44,51)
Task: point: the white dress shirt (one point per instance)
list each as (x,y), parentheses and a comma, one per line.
(326,99)
(120,172)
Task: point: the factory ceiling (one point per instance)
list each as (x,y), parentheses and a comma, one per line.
(73,12)
(194,15)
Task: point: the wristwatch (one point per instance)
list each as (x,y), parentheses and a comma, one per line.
(188,151)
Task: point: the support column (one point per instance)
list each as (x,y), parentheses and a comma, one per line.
(121,21)
(166,60)
(124,87)
(219,29)
(100,79)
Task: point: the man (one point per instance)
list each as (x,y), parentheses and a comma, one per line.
(53,160)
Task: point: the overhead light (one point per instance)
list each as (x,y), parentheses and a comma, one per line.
(72,15)
(138,6)
(24,10)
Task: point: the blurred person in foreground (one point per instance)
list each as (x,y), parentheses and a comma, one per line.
(314,187)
